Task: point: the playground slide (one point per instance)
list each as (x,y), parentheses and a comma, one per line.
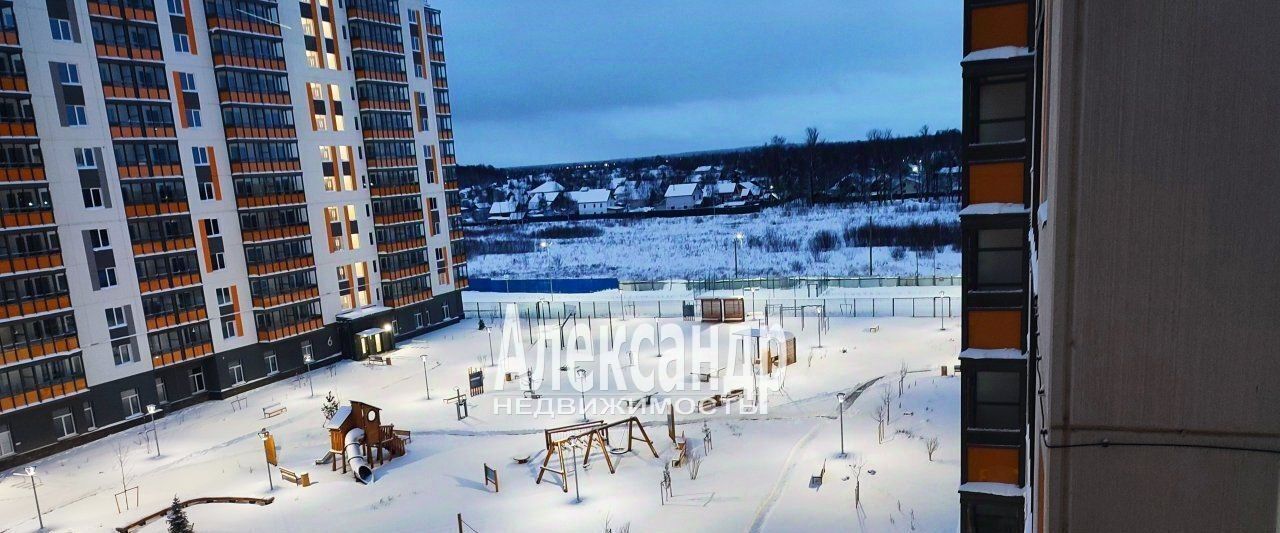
(359,466)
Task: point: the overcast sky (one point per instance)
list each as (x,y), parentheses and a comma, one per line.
(577,80)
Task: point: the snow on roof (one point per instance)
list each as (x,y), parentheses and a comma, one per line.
(703,168)
(725,187)
(681,189)
(1001,52)
(998,489)
(1005,353)
(549,186)
(734,203)
(548,198)
(749,188)
(993,209)
(502,208)
(590,196)
(338,417)
(364,311)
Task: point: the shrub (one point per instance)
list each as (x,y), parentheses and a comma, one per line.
(823,241)
(568,232)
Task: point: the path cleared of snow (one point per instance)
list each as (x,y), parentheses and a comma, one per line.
(755,474)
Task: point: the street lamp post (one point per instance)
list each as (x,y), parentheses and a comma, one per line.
(264,435)
(306,359)
(550,281)
(30,473)
(737,238)
(489,330)
(582,374)
(155,431)
(425,381)
(942,316)
(840,409)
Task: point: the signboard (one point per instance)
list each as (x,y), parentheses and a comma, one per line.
(475,376)
(490,476)
(269,446)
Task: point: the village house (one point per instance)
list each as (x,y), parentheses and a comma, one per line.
(682,196)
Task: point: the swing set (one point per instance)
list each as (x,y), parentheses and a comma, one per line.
(595,433)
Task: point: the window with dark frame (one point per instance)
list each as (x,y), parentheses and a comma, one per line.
(1001,110)
(998,258)
(997,400)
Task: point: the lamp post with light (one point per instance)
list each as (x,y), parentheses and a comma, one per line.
(582,390)
(306,359)
(30,473)
(840,408)
(155,431)
(543,245)
(425,381)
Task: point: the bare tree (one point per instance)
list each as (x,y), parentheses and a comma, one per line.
(886,398)
(811,143)
(879,415)
(931,445)
(694,457)
(857,467)
(902,377)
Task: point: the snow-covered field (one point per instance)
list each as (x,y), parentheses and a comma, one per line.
(776,242)
(754,477)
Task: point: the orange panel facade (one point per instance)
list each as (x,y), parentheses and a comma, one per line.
(996,26)
(992,464)
(996,182)
(995,329)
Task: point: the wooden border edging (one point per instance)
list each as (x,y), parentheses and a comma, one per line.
(194,501)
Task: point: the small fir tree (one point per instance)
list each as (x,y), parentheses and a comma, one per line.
(330,406)
(177,518)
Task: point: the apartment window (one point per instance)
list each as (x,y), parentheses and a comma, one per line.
(211,228)
(85,158)
(217,261)
(998,258)
(206,191)
(200,155)
(193,118)
(88,416)
(122,354)
(417,321)
(6,441)
(99,239)
(224,295)
(270,360)
(161,393)
(68,74)
(176,8)
(116,318)
(131,402)
(237,372)
(228,328)
(993,516)
(182,42)
(63,423)
(196,379)
(92,197)
(76,116)
(61,29)
(107,277)
(1002,110)
(997,400)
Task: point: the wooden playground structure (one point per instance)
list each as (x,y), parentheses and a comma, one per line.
(595,433)
(723,309)
(356,432)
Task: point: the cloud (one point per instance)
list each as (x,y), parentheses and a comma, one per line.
(573,80)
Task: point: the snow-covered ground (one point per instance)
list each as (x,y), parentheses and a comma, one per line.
(755,476)
(776,242)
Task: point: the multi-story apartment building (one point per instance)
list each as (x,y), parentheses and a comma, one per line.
(1119,248)
(203,196)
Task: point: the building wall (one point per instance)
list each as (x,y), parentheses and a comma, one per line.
(1157,267)
(189,78)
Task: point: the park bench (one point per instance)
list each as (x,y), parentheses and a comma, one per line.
(642,400)
(403,434)
(273,409)
(711,403)
(302,480)
(816,480)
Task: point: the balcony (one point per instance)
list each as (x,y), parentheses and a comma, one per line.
(242,97)
(135,93)
(435,29)
(113,51)
(384,105)
(376,46)
(398,218)
(459,259)
(17,127)
(144,170)
(400,246)
(448,160)
(446,135)
(174,281)
(461,283)
(179,355)
(9,37)
(443,109)
(455,234)
(13,83)
(407,272)
(10,265)
(298,328)
(359,13)
(283,265)
(408,299)
(298,295)
(276,232)
(12,218)
(36,305)
(164,131)
(236,132)
(451,185)
(165,245)
(440,83)
(258,63)
(390,162)
(388,134)
(43,394)
(22,172)
(246,167)
(380,191)
(380,75)
(270,200)
(217,23)
(112,10)
(176,318)
(35,350)
(156,209)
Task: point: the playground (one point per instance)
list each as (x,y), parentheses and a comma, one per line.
(382,452)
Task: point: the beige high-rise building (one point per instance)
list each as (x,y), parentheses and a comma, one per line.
(1120,345)
(203,196)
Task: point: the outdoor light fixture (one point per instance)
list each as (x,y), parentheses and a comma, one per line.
(840,408)
(386,327)
(155,433)
(30,473)
(426,381)
(582,375)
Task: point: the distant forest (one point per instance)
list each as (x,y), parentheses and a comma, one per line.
(801,169)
